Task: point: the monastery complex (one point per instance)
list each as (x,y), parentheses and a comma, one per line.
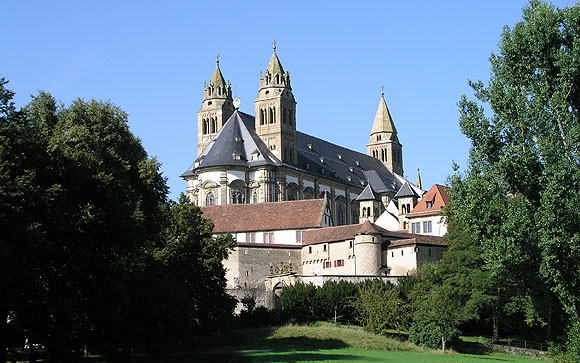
(302,208)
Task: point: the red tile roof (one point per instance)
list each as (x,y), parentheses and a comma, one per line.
(418,240)
(341,233)
(438,195)
(297,214)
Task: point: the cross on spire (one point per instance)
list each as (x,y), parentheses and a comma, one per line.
(217,59)
(274,43)
(382,91)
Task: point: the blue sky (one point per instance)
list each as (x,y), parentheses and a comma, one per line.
(151,58)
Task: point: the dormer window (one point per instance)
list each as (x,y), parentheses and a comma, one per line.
(255,155)
(310,146)
(349,178)
(356,163)
(339,156)
(322,160)
(430,204)
(237,156)
(351,169)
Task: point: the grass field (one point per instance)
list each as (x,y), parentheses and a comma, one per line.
(329,343)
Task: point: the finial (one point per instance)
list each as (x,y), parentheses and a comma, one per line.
(382,91)
(274,43)
(217,59)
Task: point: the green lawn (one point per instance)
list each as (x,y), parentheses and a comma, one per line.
(328,343)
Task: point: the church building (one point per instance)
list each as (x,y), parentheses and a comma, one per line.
(263,158)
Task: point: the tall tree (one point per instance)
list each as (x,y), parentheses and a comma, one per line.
(92,255)
(525,155)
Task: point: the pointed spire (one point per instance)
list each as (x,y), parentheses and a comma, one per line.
(275,66)
(217,79)
(418,184)
(383,121)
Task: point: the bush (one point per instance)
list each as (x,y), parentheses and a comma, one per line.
(428,334)
(297,301)
(379,307)
(334,294)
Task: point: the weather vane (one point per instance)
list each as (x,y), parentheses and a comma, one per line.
(274,43)
(217,59)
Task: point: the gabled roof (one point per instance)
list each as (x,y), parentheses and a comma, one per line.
(341,233)
(297,214)
(347,232)
(418,239)
(406,191)
(367,194)
(439,198)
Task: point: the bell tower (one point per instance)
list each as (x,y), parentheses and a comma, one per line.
(216,109)
(276,111)
(384,143)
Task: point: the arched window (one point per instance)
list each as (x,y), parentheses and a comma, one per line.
(203,127)
(340,216)
(255,197)
(237,197)
(209,199)
(309,193)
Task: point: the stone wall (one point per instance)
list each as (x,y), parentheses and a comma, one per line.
(248,266)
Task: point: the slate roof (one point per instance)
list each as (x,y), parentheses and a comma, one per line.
(298,214)
(315,156)
(367,194)
(406,191)
(347,166)
(237,136)
(438,196)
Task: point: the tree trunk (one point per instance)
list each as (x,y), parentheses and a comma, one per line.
(549,322)
(495,320)
(443,340)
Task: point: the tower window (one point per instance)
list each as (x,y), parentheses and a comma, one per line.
(237,197)
(209,199)
(378,137)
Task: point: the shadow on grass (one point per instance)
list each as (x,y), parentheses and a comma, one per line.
(281,350)
(472,348)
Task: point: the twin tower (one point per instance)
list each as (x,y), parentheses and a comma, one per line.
(275,117)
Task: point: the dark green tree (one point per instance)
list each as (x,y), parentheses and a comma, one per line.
(92,255)
(524,160)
